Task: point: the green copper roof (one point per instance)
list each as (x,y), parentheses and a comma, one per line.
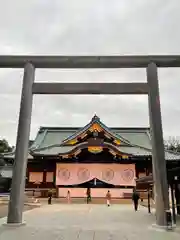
(139,137)
(53,150)
(48,137)
(49,141)
(134,151)
(52,136)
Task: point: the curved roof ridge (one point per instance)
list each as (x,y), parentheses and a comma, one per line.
(79,131)
(41,141)
(31,147)
(106,144)
(145,148)
(115,134)
(57,145)
(77,146)
(43,138)
(166,150)
(173,152)
(96,119)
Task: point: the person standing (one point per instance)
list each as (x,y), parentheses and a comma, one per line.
(68,196)
(135,198)
(88,195)
(50,197)
(108,198)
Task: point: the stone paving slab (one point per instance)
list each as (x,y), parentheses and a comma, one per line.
(86,222)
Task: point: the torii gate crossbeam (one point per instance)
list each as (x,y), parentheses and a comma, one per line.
(29,63)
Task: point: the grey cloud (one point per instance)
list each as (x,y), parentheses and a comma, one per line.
(89,27)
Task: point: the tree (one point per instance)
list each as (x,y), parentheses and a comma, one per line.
(2,162)
(4,146)
(172,144)
(5,183)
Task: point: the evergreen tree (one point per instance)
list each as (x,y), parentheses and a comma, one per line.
(4,146)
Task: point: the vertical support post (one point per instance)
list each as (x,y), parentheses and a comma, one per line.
(177,196)
(16,203)
(149,203)
(173,203)
(158,156)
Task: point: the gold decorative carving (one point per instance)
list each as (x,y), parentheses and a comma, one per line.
(72,142)
(95,127)
(95,149)
(125,157)
(117,142)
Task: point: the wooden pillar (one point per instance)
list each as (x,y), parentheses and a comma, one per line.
(54,181)
(44,177)
(173,203)
(177,196)
(149,203)
(147,167)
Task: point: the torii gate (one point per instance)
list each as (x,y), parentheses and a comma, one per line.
(30,63)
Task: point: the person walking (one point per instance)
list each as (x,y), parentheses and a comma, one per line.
(108,198)
(135,198)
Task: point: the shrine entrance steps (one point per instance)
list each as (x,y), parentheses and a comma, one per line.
(83,201)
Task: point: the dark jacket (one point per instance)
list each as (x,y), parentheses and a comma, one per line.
(50,194)
(135,196)
(88,192)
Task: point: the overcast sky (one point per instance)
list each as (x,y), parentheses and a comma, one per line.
(89,27)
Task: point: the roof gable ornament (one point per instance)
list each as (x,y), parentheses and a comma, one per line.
(94,126)
(95,118)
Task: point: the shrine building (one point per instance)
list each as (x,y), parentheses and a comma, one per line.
(95,156)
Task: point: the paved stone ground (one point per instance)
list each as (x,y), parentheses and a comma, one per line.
(86,222)
(4,209)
